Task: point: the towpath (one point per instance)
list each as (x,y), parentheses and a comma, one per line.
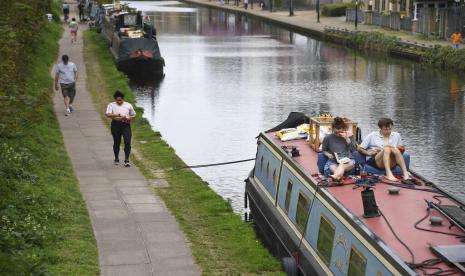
(135,233)
(306,21)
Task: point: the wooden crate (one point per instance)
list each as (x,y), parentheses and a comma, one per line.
(325,122)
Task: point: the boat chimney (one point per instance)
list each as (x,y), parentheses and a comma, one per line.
(370,209)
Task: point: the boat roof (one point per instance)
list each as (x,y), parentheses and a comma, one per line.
(401,211)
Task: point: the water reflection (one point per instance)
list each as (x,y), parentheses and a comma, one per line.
(228,77)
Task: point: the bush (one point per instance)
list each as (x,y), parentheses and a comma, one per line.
(446,58)
(334,9)
(373,41)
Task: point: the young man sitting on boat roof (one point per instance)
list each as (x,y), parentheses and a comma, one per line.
(384,149)
(338,147)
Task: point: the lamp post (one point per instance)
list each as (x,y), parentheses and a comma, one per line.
(291,8)
(318,11)
(457,17)
(356,13)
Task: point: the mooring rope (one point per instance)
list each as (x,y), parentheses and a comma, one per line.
(213,164)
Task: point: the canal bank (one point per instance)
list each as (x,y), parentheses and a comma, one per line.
(221,243)
(44,224)
(366,37)
(135,233)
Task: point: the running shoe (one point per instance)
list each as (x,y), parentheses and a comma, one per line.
(71,109)
(126,163)
(116,162)
(67,112)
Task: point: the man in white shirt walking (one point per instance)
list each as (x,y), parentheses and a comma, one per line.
(67,76)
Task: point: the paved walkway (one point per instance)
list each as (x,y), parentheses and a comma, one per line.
(135,233)
(306,20)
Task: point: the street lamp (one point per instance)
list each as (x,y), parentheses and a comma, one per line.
(291,8)
(356,13)
(457,17)
(318,11)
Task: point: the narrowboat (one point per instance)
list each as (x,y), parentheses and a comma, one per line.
(133,43)
(360,226)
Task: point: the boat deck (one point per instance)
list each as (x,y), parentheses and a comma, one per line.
(401,211)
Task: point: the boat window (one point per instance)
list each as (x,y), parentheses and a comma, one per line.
(275,178)
(357,263)
(267,170)
(288,196)
(303,205)
(261,164)
(325,239)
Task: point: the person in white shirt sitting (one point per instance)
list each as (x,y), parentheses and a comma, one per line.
(121,114)
(384,149)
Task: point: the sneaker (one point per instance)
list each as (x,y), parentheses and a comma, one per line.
(126,163)
(71,109)
(116,162)
(67,112)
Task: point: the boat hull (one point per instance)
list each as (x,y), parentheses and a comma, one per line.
(141,65)
(277,236)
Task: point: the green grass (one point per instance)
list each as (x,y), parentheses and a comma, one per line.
(222,243)
(44,224)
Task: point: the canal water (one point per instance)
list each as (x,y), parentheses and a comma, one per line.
(228,77)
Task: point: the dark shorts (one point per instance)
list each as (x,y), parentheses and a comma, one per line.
(68,90)
(372,162)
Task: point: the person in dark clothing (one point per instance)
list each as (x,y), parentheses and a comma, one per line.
(81,11)
(338,147)
(121,114)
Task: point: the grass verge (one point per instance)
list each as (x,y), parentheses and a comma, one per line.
(222,243)
(45,228)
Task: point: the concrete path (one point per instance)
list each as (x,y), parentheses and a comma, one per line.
(307,21)
(135,233)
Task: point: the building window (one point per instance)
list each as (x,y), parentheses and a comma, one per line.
(288,196)
(275,179)
(261,164)
(303,205)
(357,263)
(325,239)
(267,170)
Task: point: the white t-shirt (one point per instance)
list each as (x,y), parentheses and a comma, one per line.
(66,72)
(124,109)
(376,140)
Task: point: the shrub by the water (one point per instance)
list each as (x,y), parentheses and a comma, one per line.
(446,58)
(334,9)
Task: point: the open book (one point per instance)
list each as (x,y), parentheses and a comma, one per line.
(343,160)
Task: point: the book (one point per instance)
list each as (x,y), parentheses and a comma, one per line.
(343,160)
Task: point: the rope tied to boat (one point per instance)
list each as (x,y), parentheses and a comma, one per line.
(213,164)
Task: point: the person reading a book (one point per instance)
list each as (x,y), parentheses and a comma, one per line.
(384,149)
(338,147)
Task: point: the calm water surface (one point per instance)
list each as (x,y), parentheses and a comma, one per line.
(228,77)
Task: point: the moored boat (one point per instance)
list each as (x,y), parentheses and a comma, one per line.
(132,42)
(360,226)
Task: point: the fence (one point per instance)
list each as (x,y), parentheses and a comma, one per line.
(350,15)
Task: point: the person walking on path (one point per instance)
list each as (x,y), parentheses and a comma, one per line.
(65,12)
(246,3)
(67,76)
(121,114)
(81,10)
(73,28)
(456,38)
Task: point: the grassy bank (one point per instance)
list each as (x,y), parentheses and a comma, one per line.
(222,243)
(442,57)
(44,224)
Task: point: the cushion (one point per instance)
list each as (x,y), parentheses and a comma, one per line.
(361,159)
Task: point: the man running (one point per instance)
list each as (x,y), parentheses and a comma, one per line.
(67,76)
